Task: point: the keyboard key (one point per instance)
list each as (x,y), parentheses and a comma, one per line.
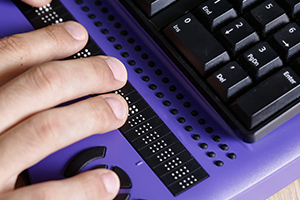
(196,43)
(244,5)
(214,13)
(237,36)
(229,81)
(287,42)
(295,65)
(151,7)
(292,7)
(267,18)
(267,98)
(260,61)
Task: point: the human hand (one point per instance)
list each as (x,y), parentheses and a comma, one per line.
(31,83)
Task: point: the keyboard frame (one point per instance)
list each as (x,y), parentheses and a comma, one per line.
(196,79)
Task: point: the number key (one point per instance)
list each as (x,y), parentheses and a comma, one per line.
(287,42)
(268,17)
(260,60)
(237,36)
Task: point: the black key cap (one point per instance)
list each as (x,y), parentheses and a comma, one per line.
(292,7)
(295,65)
(83,158)
(125,181)
(244,5)
(267,18)
(196,43)
(229,81)
(176,10)
(151,7)
(287,42)
(237,36)
(267,98)
(260,60)
(124,196)
(214,13)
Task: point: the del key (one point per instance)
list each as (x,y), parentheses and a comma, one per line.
(196,43)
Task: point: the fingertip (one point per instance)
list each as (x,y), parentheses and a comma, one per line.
(117,67)
(111,182)
(37,3)
(118,106)
(76,30)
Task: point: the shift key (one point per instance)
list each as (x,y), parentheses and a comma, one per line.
(267,98)
(196,43)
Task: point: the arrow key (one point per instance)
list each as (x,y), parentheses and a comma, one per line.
(287,42)
(237,36)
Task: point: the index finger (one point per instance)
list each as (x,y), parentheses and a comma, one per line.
(22,51)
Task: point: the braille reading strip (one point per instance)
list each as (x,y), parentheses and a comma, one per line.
(145,131)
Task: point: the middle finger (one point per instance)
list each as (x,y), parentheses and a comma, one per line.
(50,84)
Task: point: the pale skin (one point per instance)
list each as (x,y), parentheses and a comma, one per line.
(32,82)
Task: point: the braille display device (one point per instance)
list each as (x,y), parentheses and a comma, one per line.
(213,94)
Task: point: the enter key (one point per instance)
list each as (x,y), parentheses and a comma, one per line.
(267,98)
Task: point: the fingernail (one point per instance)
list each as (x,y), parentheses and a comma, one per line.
(75,30)
(116,67)
(111,182)
(117,106)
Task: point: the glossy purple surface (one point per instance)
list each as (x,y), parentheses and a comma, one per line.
(259,170)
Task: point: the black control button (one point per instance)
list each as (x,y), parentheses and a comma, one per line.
(229,81)
(124,178)
(287,42)
(215,13)
(84,158)
(122,197)
(268,97)
(267,18)
(101,167)
(196,43)
(237,36)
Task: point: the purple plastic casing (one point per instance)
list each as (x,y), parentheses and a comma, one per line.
(259,170)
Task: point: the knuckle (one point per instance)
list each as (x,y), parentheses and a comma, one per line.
(97,66)
(100,113)
(53,35)
(46,79)
(15,44)
(45,129)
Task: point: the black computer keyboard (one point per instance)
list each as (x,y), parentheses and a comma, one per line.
(242,55)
